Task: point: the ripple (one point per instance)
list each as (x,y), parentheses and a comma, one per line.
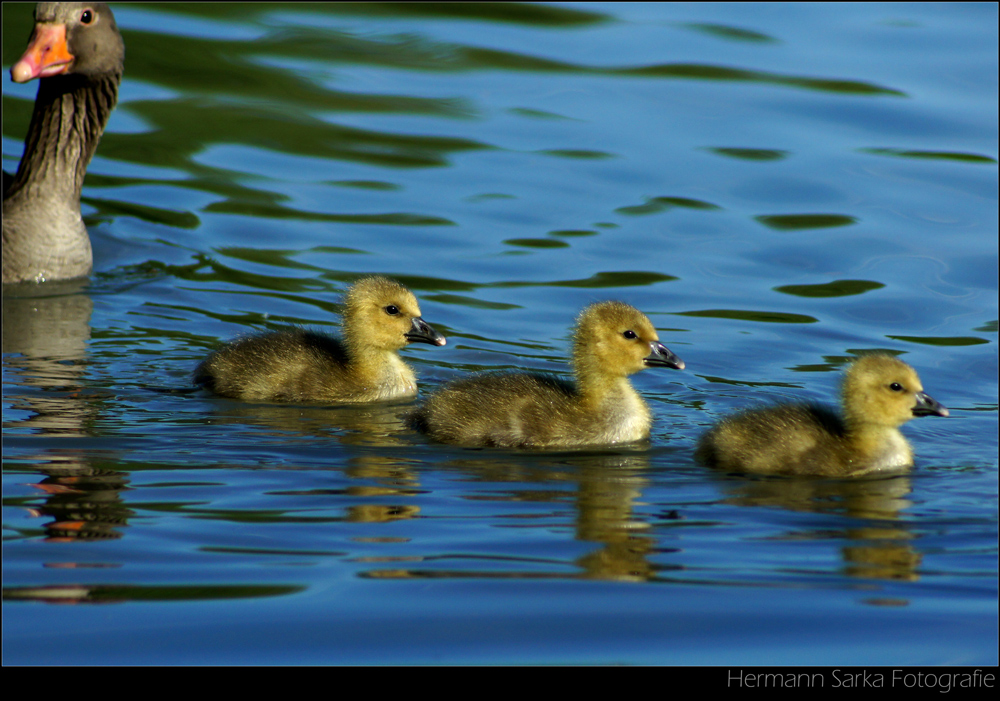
(536,114)
(942,340)
(653,205)
(710,72)
(930,155)
(795,222)
(751,154)
(573,232)
(536,243)
(623,278)
(724,31)
(465,301)
(275,211)
(577,153)
(746,315)
(366,184)
(618,279)
(156,215)
(837,288)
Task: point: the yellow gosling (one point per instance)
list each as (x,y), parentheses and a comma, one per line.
(380,317)
(879,394)
(520,410)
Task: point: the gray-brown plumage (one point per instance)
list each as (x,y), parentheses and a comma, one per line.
(78,54)
(879,394)
(518,410)
(380,317)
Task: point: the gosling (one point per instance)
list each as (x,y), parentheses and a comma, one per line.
(519,410)
(879,393)
(294,365)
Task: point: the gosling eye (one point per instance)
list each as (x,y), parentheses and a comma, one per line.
(87,17)
(392,310)
(896,387)
(630,334)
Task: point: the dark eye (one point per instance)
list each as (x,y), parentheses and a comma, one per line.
(630,334)
(896,387)
(392,310)
(87,17)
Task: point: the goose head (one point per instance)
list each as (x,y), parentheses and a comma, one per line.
(382,314)
(615,339)
(71,37)
(883,390)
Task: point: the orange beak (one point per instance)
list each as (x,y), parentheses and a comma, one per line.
(46,55)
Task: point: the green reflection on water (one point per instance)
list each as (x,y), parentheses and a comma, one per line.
(794,222)
(573,232)
(536,243)
(942,340)
(577,153)
(837,288)
(660,204)
(744,315)
(515,12)
(275,211)
(930,155)
(536,114)
(279,258)
(751,154)
(156,215)
(366,184)
(724,31)
(465,301)
(608,279)
(708,72)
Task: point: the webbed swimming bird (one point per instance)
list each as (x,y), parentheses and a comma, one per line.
(380,317)
(611,341)
(879,393)
(78,55)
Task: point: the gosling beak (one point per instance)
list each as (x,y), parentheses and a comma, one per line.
(662,356)
(928,406)
(46,55)
(423,332)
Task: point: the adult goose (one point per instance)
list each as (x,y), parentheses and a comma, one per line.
(879,394)
(612,340)
(78,56)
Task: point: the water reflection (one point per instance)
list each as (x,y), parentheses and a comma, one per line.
(82,503)
(112,594)
(600,490)
(798,222)
(879,541)
(375,425)
(46,330)
(878,544)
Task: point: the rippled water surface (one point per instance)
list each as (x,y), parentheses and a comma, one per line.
(778,187)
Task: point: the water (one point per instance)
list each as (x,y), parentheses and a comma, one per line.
(778,187)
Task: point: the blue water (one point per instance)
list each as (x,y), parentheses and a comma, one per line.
(777,186)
